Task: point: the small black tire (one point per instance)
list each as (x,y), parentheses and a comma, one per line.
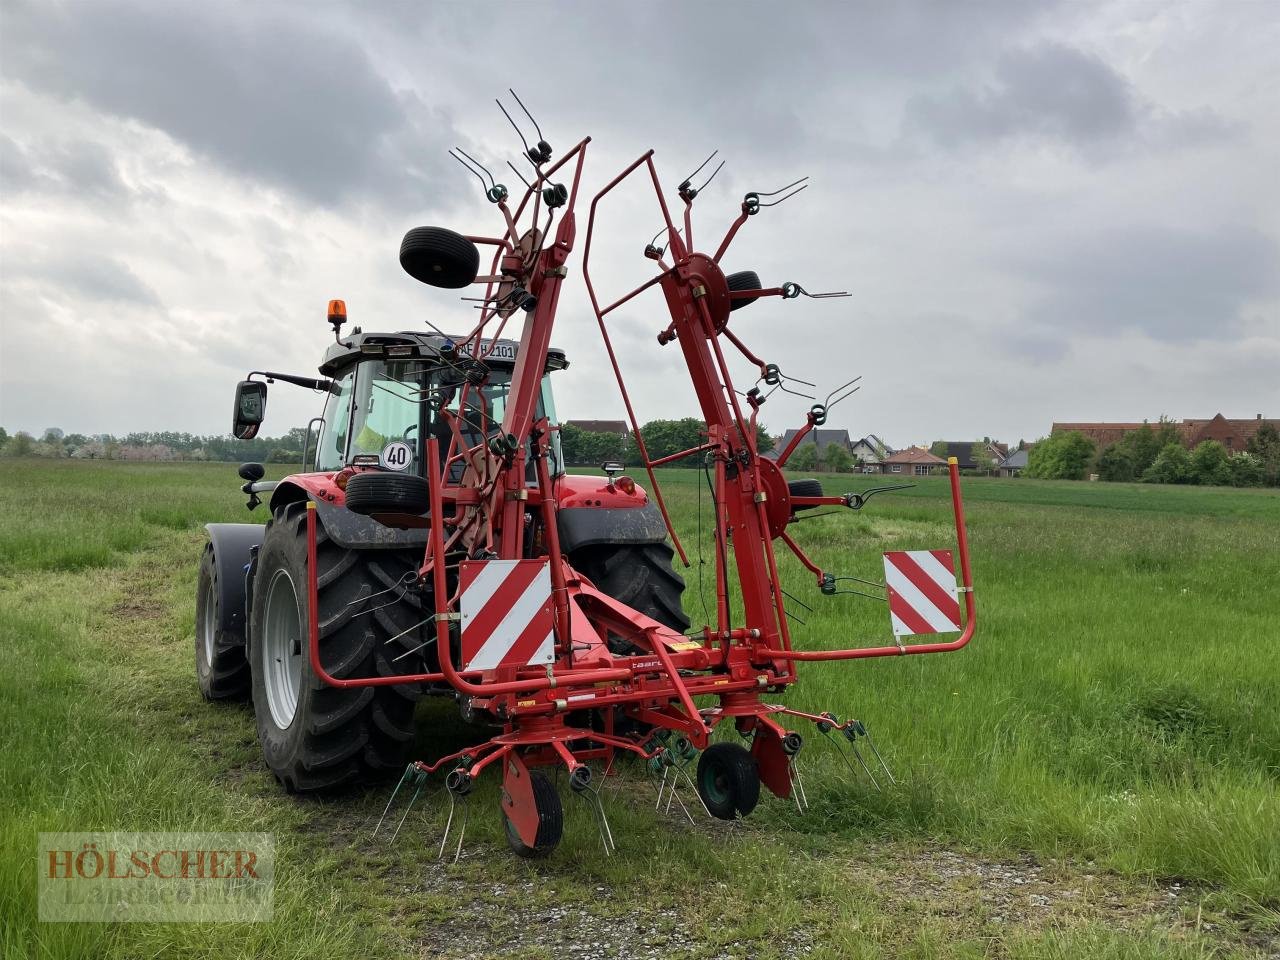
(222,670)
(439,257)
(376,492)
(743,280)
(550,820)
(728,781)
(805,488)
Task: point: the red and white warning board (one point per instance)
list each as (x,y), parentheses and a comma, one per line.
(506,611)
(922,591)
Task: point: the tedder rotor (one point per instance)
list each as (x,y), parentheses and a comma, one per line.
(439,547)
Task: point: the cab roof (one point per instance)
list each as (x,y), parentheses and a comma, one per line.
(418,344)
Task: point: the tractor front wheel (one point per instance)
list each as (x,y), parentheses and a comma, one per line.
(221,668)
(315,736)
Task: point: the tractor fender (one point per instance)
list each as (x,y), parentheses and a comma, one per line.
(590,526)
(352,531)
(233,547)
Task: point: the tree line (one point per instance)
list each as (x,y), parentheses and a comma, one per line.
(160,445)
(1156,454)
(662,438)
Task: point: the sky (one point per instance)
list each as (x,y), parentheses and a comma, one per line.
(1042,211)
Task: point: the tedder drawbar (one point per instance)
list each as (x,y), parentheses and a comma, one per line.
(438,546)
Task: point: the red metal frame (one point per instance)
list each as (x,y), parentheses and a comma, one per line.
(737,663)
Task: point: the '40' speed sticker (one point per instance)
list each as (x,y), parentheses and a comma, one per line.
(396,455)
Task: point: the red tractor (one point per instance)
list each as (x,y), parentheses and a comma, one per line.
(439,547)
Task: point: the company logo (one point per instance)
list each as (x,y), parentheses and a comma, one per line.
(148,877)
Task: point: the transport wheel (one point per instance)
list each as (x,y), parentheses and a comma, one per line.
(728,780)
(376,492)
(641,575)
(221,668)
(314,736)
(439,257)
(743,280)
(550,820)
(805,488)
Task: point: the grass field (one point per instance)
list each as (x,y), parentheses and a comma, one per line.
(1096,775)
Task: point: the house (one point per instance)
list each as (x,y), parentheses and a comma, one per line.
(963,451)
(1014,463)
(617,427)
(869,452)
(913,461)
(817,436)
(1232,434)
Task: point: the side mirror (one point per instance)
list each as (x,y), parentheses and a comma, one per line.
(250,409)
(252,472)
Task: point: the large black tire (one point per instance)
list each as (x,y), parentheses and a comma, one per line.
(641,575)
(221,668)
(728,780)
(377,492)
(439,257)
(805,488)
(334,736)
(550,820)
(743,280)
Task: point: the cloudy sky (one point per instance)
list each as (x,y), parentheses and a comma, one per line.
(1042,211)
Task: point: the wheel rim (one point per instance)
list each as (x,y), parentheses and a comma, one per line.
(210,622)
(282,649)
(715,784)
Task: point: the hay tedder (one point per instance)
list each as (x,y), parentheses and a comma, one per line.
(439,547)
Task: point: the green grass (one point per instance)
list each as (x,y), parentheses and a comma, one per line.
(1115,724)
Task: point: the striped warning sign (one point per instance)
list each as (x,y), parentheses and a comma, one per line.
(922,591)
(506,614)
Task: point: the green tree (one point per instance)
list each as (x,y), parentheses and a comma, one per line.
(4,437)
(939,448)
(1172,465)
(1246,470)
(1116,463)
(805,457)
(837,458)
(1209,464)
(1265,445)
(1062,456)
(1144,444)
(20,445)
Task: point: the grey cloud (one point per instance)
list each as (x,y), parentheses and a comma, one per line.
(79,167)
(1173,285)
(1048,91)
(96,278)
(273,98)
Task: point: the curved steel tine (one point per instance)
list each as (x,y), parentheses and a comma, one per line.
(404,581)
(887,772)
(785,376)
(408,772)
(492,182)
(774,193)
(412,800)
(822,296)
(690,177)
(843,396)
(706,183)
(403,632)
(774,203)
(527,113)
(519,174)
(689,780)
(865,769)
(795,393)
(827,402)
(513,125)
(469,169)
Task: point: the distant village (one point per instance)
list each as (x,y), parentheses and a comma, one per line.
(1217,450)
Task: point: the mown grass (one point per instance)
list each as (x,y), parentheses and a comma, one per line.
(1116,715)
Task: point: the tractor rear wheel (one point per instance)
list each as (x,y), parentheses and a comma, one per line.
(315,736)
(641,575)
(221,668)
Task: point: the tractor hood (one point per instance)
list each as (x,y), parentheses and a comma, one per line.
(412,344)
